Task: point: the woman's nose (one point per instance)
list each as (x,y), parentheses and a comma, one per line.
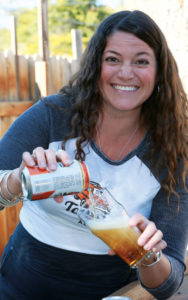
(126,72)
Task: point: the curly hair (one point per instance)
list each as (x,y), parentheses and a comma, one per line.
(165,112)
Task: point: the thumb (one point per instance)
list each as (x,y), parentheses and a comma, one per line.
(111,252)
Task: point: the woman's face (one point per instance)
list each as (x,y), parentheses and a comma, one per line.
(128,72)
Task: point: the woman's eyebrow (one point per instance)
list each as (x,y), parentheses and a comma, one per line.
(112,52)
(137,54)
(143,53)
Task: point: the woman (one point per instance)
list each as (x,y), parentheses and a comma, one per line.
(124,113)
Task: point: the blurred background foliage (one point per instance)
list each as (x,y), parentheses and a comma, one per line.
(63,15)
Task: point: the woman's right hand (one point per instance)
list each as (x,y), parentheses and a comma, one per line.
(44,158)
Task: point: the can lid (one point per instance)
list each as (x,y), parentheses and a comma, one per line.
(24,182)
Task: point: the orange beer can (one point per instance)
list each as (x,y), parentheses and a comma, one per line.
(41,183)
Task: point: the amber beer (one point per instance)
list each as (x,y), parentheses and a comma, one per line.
(121,238)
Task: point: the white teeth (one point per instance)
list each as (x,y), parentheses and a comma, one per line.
(125,88)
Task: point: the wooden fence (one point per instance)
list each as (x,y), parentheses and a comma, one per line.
(23,80)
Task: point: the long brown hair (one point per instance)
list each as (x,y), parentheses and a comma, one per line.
(165,112)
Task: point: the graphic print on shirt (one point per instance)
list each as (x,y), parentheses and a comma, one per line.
(131,182)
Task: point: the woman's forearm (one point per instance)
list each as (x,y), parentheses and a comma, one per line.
(154,276)
(13,184)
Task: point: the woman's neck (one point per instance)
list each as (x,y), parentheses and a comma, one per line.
(117,136)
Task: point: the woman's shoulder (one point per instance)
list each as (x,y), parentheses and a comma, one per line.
(58,101)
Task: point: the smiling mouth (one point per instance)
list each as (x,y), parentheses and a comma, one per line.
(125,88)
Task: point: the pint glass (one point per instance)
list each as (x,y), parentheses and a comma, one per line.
(108,220)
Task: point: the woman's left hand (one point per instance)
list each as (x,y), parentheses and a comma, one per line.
(150,238)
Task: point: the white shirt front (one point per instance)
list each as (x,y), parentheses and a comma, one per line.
(130,182)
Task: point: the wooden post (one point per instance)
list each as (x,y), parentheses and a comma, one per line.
(24,78)
(42,70)
(55,67)
(14,49)
(11,73)
(76,44)
(3,78)
(66,71)
(42,77)
(43,29)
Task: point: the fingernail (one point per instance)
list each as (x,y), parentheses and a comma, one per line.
(67,162)
(53,167)
(140,242)
(146,247)
(42,166)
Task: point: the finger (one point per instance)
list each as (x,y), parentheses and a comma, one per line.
(139,221)
(27,159)
(64,157)
(154,240)
(58,199)
(51,159)
(159,246)
(40,157)
(111,252)
(149,231)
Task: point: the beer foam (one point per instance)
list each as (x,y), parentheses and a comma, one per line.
(109,223)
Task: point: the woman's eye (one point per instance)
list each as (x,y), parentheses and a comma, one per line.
(142,62)
(111,59)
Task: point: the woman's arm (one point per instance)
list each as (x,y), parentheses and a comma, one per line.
(164,278)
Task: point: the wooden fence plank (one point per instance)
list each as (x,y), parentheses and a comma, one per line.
(14,48)
(9,218)
(43,29)
(54,73)
(74,66)
(76,43)
(42,77)
(3,78)
(3,230)
(66,70)
(61,74)
(12,76)
(8,109)
(12,220)
(23,78)
(17,208)
(31,77)
(5,123)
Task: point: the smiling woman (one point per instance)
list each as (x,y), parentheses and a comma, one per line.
(125,114)
(127,77)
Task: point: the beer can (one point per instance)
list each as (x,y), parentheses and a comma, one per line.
(41,183)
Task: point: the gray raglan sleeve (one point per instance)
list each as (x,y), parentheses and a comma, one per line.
(172,219)
(27,132)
